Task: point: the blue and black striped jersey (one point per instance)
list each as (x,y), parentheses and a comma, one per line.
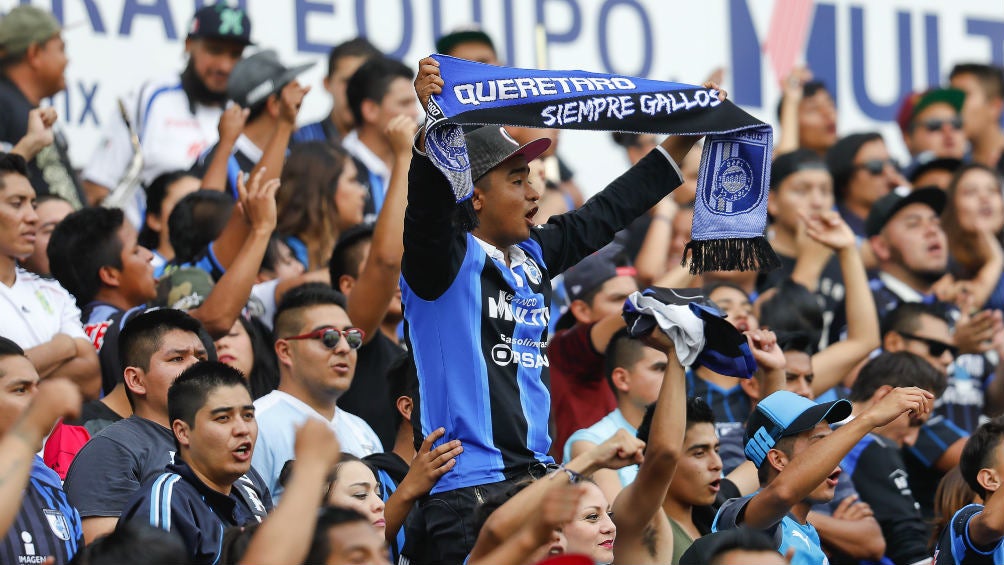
(46,526)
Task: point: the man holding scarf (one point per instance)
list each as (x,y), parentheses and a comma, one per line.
(476,292)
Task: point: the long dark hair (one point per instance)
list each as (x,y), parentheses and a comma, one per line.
(307,199)
(264,377)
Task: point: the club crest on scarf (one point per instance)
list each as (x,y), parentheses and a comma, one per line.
(735,164)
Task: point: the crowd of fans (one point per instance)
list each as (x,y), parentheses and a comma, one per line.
(230,339)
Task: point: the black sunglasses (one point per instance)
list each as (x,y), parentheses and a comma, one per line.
(934,347)
(876,167)
(331,336)
(935,124)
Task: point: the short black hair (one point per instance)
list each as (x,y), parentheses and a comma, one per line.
(402,380)
(287,313)
(128,541)
(156,192)
(905,318)
(622,351)
(330,517)
(196,221)
(371,82)
(899,369)
(991,77)
(698,412)
(264,377)
(10,349)
(193,386)
(81,244)
(355,47)
(803,342)
(979,453)
(142,335)
(347,255)
(809,90)
(12,164)
(742,539)
(793,308)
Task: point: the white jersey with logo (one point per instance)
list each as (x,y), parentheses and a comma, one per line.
(171,134)
(35,309)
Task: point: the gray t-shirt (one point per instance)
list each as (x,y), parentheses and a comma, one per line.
(113,464)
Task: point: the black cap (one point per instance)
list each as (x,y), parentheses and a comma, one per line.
(446,43)
(928,161)
(840,158)
(220,21)
(596,269)
(887,206)
(792,162)
(489,146)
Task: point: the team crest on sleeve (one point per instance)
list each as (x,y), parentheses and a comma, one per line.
(57,523)
(532,271)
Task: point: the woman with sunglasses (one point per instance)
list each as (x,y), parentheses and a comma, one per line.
(974,223)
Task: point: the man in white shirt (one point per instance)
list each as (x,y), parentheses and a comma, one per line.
(176,118)
(316,346)
(38,314)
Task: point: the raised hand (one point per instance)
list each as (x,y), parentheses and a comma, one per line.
(428,81)
(316,441)
(290,100)
(899,401)
(232,122)
(620,450)
(257,200)
(829,229)
(56,398)
(401,133)
(763,345)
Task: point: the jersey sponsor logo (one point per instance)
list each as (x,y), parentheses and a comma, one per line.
(29,556)
(96,333)
(57,523)
(504,356)
(899,478)
(529,311)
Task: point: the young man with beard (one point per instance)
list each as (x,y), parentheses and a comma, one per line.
(797,456)
(176,117)
(205,489)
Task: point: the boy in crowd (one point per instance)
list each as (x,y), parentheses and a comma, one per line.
(205,490)
(975,536)
(797,456)
(42,524)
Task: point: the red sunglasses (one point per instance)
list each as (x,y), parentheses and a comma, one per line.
(331,336)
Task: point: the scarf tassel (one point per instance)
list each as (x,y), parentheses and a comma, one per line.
(741,254)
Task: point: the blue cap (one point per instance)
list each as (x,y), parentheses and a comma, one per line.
(784,414)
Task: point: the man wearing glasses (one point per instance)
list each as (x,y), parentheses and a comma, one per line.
(932,122)
(316,347)
(862,173)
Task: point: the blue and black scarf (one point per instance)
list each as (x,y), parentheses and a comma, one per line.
(730,213)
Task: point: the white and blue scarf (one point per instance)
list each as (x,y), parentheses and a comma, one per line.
(730,212)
